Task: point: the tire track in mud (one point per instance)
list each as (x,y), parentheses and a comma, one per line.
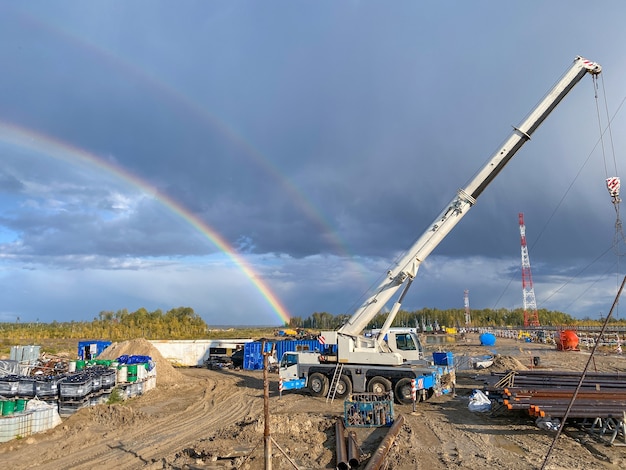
(223,409)
(225,404)
(220,402)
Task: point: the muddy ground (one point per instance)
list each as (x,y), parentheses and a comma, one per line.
(204,419)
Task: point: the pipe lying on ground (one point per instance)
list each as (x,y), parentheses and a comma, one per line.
(377,460)
(340,444)
(354,453)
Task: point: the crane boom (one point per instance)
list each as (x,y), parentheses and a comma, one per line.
(406,269)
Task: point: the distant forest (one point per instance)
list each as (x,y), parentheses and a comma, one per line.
(453,318)
(184,323)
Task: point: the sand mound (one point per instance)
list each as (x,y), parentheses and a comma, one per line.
(166,374)
(505,363)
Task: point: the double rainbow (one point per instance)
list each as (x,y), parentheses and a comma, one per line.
(28,139)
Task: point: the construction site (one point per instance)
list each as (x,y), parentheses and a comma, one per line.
(201,418)
(395,397)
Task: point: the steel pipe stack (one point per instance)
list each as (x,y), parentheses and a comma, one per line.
(549,393)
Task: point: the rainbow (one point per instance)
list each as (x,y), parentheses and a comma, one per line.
(186,106)
(29,139)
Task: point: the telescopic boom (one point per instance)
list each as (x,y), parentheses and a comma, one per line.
(406,269)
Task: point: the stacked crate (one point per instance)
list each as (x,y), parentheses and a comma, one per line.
(47,387)
(135,378)
(9,385)
(91,385)
(74,392)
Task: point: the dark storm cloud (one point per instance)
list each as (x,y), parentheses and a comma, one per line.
(319,139)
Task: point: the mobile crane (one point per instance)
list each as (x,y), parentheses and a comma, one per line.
(368,362)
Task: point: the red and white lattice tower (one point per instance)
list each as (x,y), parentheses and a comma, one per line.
(531,318)
(468,318)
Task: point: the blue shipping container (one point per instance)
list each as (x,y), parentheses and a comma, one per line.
(91,349)
(296,345)
(253,356)
(253,351)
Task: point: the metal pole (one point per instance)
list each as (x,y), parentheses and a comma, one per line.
(267,438)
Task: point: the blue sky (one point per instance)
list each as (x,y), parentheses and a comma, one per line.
(318,140)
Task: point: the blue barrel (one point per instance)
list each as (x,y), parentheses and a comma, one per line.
(487,339)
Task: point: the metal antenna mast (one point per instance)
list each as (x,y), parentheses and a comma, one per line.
(468,319)
(531,318)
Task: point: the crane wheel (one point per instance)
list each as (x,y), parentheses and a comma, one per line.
(379,385)
(318,384)
(403,391)
(344,387)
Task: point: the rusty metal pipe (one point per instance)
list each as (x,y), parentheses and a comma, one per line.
(601,394)
(340,444)
(558,400)
(597,408)
(377,460)
(563,378)
(354,453)
(564,373)
(577,415)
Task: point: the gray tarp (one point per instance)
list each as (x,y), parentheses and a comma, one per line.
(8,368)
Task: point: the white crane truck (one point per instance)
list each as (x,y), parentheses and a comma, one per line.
(390,361)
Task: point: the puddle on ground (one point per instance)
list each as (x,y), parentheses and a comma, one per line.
(440,339)
(504,443)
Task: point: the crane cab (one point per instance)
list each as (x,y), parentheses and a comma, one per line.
(407,343)
(404,341)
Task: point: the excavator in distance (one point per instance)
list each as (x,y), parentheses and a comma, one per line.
(351,361)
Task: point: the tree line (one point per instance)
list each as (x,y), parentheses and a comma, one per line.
(452,318)
(184,323)
(178,323)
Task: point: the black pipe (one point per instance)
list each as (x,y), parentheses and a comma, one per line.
(340,443)
(354,453)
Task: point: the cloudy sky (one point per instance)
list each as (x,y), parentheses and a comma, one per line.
(261,160)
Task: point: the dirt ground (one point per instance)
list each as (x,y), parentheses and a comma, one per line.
(206,419)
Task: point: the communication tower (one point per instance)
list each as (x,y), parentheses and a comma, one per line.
(468,319)
(531,318)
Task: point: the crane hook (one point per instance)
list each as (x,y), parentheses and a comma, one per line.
(613,185)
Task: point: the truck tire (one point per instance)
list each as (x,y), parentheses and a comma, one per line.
(344,387)
(403,391)
(379,385)
(318,384)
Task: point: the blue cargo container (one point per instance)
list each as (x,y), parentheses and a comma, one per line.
(253,356)
(296,345)
(253,353)
(90,349)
